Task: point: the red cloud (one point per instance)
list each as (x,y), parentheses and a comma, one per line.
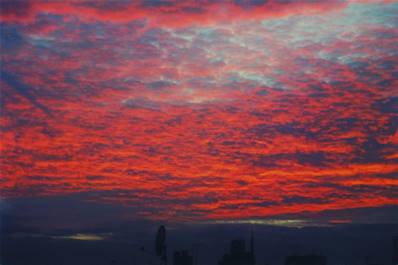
(321,137)
(171,14)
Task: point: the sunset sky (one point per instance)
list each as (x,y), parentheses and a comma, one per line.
(278,112)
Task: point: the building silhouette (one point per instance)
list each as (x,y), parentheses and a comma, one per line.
(306,260)
(238,254)
(395,250)
(160,244)
(182,258)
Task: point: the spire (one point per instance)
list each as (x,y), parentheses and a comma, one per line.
(253,261)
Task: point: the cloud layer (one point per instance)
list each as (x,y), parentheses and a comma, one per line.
(201,111)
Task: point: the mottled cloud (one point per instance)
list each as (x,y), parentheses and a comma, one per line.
(195,112)
(163,13)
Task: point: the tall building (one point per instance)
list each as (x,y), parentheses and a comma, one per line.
(306,260)
(182,258)
(395,250)
(238,254)
(253,258)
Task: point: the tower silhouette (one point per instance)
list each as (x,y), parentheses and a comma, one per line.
(395,250)
(160,246)
(252,256)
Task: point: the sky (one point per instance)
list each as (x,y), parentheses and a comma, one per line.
(274,114)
